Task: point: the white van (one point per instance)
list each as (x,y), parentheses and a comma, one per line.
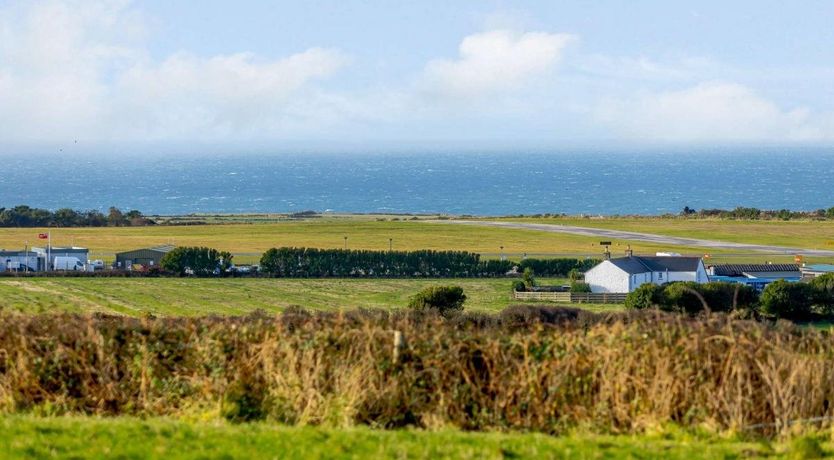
(67,263)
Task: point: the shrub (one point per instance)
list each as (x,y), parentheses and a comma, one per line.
(683,297)
(519,286)
(579,286)
(690,297)
(648,295)
(528,278)
(574,274)
(787,300)
(722,296)
(823,287)
(444,299)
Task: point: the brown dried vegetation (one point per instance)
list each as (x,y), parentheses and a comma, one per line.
(529,368)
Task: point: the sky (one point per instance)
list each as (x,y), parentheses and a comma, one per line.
(78,75)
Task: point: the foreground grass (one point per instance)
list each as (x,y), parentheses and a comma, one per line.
(28,437)
(230,296)
(249,241)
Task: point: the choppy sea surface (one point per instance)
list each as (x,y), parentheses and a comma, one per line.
(465,183)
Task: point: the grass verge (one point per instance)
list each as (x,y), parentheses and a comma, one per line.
(28,437)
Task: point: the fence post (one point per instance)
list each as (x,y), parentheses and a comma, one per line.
(399,345)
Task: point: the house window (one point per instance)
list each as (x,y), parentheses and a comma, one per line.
(660,276)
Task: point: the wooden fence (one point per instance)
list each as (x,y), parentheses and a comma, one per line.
(570,297)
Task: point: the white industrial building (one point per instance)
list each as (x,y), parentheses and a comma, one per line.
(625,274)
(58,253)
(18,261)
(41,259)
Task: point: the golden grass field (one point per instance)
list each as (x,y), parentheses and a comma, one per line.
(248,241)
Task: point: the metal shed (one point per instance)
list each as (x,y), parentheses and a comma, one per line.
(149,257)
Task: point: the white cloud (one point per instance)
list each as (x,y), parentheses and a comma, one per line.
(221,96)
(79,70)
(494,61)
(712,112)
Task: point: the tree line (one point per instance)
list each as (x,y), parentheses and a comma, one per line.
(745,213)
(312,262)
(25,216)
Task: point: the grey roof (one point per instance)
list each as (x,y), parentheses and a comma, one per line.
(642,264)
(163,249)
(741,269)
(16,253)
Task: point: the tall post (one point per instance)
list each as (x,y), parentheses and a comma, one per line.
(48,249)
(390,244)
(345,243)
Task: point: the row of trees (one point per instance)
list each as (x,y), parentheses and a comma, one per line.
(25,216)
(744,213)
(780,299)
(312,262)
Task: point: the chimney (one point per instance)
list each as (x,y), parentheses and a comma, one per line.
(629,252)
(607,254)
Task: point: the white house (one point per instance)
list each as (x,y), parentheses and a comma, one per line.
(626,274)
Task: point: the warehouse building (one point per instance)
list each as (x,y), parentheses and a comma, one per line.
(21,261)
(149,257)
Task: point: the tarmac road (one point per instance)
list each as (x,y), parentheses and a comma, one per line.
(605,234)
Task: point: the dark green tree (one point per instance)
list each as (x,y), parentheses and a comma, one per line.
(444,299)
(200,261)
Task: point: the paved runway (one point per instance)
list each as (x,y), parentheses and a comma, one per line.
(646,237)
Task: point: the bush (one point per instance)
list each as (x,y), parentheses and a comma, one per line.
(444,299)
(519,286)
(648,295)
(689,297)
(722,296)
(579,286)
(528,278)
(787,300)
(683,297)
(823,287)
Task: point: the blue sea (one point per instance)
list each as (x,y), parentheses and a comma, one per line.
(581,182)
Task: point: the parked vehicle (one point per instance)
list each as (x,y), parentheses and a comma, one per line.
(67,263)
(97,264)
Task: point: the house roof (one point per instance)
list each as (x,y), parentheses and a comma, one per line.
(642,264)
(742,269)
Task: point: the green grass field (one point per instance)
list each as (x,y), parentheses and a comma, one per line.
(801,234)
(248,241)
(234,296)
(29,437)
